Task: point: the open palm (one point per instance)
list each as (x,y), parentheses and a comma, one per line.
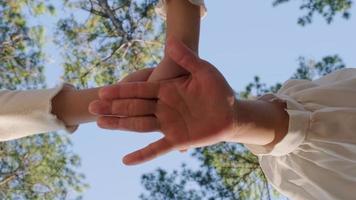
(191,111)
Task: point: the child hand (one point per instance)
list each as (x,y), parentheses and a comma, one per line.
(167,69)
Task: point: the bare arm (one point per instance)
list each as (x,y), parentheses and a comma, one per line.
(71,106)
(260,122)
(183,23)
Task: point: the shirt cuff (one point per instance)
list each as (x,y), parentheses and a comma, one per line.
(64,87)
(25,113)
(162,10)
(299,120)
(43,108)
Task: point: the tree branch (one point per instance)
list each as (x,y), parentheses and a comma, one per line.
(93,11)
(103,60)
(8,179)
(111,14)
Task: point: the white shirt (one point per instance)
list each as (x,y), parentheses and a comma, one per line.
(25,113)
(317,158)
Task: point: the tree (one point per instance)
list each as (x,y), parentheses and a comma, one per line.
(39,167)
(228,171)
(116,38)
(328,9)
(20,46)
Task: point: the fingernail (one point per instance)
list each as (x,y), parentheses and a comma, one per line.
(100,107)
(127,161)
(93,108)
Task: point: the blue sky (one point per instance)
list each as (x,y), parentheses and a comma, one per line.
(243,39)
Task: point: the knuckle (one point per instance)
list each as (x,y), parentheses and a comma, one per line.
(139,125)
(153,124)
(147,107)
(133,124)
(118,108)
(153,107)
(130,107)
(116,123)
(152,150)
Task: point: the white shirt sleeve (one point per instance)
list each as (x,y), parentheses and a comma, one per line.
(25,113)
(161,7)
(317,158)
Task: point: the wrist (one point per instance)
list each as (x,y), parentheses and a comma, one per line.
(71,106)
(280,116)
(60,104)
(166,69)
(258,122)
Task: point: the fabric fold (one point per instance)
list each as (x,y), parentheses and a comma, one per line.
(25,113)
(162,10)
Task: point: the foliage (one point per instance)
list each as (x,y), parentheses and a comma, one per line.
(328,9)
(116,38)
(20,45)
(43,166)
(40,167)
(311,70)
(229,171)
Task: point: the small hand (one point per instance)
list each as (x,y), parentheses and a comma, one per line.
(195,110)
(140,75)
(167,69)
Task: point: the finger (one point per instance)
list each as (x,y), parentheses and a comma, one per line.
(133,107)
(144,90)
(99,107)
(148,153)
(135,124)
(140,75)
(123,107)
(183,56)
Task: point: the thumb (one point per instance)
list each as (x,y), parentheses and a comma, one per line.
(183,56)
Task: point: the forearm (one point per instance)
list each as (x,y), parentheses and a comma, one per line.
(71,106)
(183,23)
(260,122)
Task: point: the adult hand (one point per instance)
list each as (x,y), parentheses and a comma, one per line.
(191,111)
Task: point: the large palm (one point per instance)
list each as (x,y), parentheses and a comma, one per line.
(191,111)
